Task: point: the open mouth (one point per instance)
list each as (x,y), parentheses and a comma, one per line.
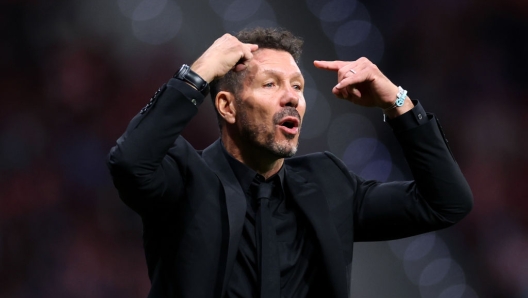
(290,125)
(289,122)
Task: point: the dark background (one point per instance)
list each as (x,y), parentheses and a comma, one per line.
(73,73)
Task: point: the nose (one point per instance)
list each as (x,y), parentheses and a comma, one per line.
(291,97)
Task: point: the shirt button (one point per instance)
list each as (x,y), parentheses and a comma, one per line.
(420,116)
(193,101)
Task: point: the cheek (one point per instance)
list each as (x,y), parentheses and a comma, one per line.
(257,115)
(301,108)
(257,108)
(263,113)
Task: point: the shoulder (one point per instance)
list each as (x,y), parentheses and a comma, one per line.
(184,154)
(315,162)
(326,172)
(181,147)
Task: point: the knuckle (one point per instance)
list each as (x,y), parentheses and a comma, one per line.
(364,59)
(373,67)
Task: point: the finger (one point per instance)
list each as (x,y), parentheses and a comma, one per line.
(337,93)
(252,47)
(354,93)
(351,69)
(346,71)
(341,93)
(242,64)
(348,81)
(240,67)
(244,51)
(330,65)
(247,55)
(344,93)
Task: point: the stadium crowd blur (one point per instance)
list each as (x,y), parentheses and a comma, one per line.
(67,93)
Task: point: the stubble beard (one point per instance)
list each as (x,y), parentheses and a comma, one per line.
(260,135)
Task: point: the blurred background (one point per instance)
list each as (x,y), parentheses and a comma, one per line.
(73,73)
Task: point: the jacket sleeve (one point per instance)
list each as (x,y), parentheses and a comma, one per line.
(438,197)
(142,171)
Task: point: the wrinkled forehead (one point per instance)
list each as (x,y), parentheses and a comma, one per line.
(270,61)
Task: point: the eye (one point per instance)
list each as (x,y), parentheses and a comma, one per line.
(297,87)
(269,85)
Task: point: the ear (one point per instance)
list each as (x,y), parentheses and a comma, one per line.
(225,105)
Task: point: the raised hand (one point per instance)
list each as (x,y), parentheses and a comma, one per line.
(226,53)
(362,83)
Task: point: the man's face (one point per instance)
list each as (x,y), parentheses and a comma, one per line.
(271,104)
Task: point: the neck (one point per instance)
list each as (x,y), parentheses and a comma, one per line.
(257,158)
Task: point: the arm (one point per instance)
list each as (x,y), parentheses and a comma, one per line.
(144,174)
(438,197)
(139,163)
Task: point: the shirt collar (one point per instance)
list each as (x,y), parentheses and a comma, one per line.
(245,175)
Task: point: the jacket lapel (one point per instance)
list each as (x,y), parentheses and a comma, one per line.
(235,201)
(312,203)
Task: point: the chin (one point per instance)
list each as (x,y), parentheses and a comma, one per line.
(284,149)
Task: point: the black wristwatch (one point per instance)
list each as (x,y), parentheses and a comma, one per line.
(187,75)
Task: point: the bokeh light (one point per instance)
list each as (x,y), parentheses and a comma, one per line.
(240,10)
(435,271)
(235,10)
(347,24)
(318,114)
(346,128)
(160,28)
(369,158)
(419,247)
(332,10)
(148,9)
(240,14)
(372,47)
(429,264)
(352,33)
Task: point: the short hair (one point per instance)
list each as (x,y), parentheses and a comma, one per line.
(265,38)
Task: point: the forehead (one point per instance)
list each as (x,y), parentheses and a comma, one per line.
(265,60)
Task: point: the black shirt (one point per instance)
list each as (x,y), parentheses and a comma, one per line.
(299,256)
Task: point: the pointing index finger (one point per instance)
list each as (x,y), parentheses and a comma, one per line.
(329,65)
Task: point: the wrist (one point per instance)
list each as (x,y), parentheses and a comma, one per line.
(401,104)
(202,71)
(396,111)
(193,79)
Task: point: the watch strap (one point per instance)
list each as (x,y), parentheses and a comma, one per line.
(187,75)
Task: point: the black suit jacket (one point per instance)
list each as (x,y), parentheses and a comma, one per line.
(193,207)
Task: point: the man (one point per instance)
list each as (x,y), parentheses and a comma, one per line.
(241,219)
